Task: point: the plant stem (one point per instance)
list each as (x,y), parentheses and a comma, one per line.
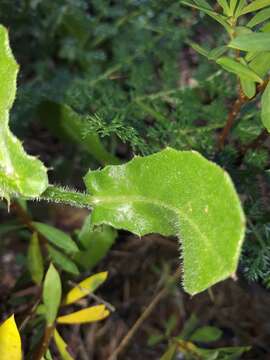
(236,108)
(71,197)
(45,342)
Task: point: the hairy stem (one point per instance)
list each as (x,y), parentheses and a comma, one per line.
(71,197)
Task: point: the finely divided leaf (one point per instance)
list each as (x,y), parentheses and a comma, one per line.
(175,193)
(20,174)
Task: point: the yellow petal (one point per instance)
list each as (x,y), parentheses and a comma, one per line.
(91,314)
(61,346)
(85,287)
(10,340)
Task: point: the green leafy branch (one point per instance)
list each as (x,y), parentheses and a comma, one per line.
(170,192)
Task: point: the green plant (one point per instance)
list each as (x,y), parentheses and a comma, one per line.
(128,197)
(107,92)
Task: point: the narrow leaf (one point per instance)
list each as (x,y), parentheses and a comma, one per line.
(20,174)
(35,260)
(85,287)
(61,346)
(206,334)
(233,4)
(52,291)
(10,340)
(254,6)
(95,243)
(219,18)
(266,107)
(175,193)
(225,6)
(88,315)
(199,49)
(251,42)
(57,237)
(63,261)
(239,69)
(260,17)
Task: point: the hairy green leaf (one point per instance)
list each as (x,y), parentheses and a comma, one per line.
(239,69)
(175,193)
(20,174)
(52,292)
(251,42)
(266,107)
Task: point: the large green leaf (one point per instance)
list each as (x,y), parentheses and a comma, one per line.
(175,193)
(251,42)
(266,107)
(19,173)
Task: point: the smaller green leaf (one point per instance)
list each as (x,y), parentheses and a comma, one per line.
(225,6)
(56,237)
(239,69)
(35,260)
(248,87)
(254,6)
(233,4)
(203,3)
(216,53)
(63,261)
(261,63)
(199,49)
(242,30)
(251,42)
(206,334)
(260,17)
(219,18)
(95,243)
(52,291)
(265,114)
(240,6)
